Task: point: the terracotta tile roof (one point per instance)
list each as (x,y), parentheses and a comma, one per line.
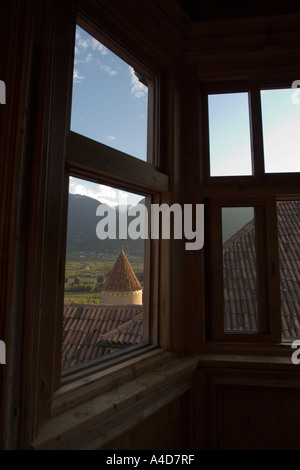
(89,331)
(239,280)
(239,273)
(122,277)
(289,249)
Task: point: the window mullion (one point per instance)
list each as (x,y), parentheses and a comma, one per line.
(205,138)
(262,269)
(256,133)
(88,156)
(214,271)
(273,270)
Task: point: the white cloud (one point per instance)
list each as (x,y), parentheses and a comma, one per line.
(96,45)
(82,43)
(108,70)
(88,43)
(105,194)
(76,77)
(137,88)
(111,137)
(88,58)
(102,193)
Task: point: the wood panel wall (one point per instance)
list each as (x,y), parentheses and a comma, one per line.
(250,409)
(244,404)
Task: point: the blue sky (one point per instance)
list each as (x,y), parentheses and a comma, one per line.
(281,129)
(229,135)
(109,105)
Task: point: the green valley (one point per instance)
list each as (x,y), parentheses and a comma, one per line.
(86,272)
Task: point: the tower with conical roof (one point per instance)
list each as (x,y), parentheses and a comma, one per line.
(122,286)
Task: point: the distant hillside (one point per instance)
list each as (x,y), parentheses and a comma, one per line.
(82,223)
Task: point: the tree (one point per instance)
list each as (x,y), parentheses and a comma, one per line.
(77,280)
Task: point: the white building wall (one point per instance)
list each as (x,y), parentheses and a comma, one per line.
(122,298)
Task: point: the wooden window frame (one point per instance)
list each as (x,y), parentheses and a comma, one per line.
(46,394)
(94,161)
(259,190)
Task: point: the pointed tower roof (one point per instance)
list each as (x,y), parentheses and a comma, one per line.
(122,277)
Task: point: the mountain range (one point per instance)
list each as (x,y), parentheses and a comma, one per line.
(81,234)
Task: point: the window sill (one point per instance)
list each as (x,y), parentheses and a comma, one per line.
(248,361)
(97,378)
(249,349)
(109,413)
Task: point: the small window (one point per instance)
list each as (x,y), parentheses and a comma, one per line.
(104,273)
(229,134)
(288,220)
(281,124)
(110,98)
(239,270)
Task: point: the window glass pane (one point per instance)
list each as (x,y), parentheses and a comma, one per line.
(229,134)
(239,270)
(104,278)
(281,124)
(288,217)
(109,101)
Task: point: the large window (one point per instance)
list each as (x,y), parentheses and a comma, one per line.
(110,158)
(251,190)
